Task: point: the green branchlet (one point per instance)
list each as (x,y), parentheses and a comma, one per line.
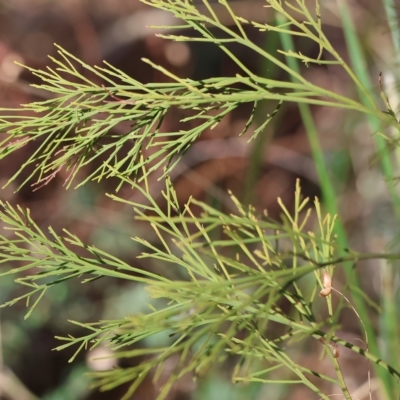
(229,289)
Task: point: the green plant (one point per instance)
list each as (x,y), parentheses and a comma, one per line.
(230,289)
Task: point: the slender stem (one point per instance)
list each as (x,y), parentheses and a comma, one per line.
(328,191)
(359,64)
(339,374)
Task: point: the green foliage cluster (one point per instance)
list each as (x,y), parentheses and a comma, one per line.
(231,288)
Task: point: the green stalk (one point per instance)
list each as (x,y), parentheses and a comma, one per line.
(390,299)
(390,328)
(329,197)
(359,64)
(394,26)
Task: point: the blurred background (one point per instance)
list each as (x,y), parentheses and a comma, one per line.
(257,173)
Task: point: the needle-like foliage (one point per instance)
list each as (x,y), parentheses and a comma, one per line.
(77,125)
(231,288)
(223,308)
